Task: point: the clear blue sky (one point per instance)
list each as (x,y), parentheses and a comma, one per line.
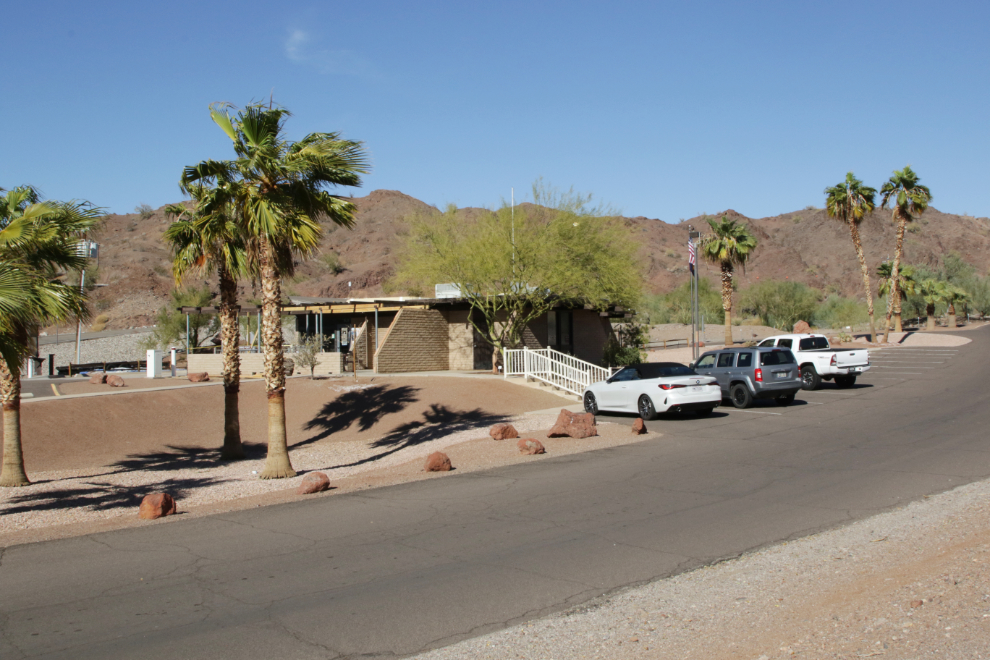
(664,110)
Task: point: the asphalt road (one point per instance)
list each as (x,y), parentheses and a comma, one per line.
(401,569)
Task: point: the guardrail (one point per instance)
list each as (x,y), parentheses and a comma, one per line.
(667,343)
(547,365)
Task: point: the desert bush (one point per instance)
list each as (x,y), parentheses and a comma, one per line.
(838,312)
(99,323)
(625,347)
(170,323)
(331,261)
(144,210)
(675,306)
(780,304)
(307,355)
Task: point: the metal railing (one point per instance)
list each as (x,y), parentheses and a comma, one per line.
(554,368)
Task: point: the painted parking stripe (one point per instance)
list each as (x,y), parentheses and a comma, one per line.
(756,412)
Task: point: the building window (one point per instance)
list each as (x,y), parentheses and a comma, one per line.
(560,330)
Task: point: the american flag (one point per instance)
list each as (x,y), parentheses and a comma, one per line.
(691,256)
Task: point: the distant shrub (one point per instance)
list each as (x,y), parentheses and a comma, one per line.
(144,210)
(331,261)
(780,304)
(838,312)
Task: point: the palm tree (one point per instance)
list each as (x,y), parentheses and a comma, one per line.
(277,188)
(909,198)
(849,202)
(201,241)
(729,245)
(37,241)
(933,292)
(954,295)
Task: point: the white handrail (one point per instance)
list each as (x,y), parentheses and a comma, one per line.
(561,370)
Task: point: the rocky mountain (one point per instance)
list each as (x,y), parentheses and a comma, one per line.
(804,246)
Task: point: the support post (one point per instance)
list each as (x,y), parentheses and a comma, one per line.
(187,337)
(82,285)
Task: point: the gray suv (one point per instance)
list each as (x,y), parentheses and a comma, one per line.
(745,374)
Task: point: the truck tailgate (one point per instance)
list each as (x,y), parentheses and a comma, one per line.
(855,358)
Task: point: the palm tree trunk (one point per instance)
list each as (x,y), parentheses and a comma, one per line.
(854,231)
(930,321)
(229,340)
(727,300)
(952,316)
(894,304)
(277,465)
(12,471)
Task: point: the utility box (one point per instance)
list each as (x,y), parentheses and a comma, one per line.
(154,364)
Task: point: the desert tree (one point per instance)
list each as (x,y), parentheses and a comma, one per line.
(729,244)
(202,240)
(39,241)
(514,265)
(278,189)
(907,198)
(849,202)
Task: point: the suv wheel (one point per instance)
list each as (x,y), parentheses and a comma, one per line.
(740,396)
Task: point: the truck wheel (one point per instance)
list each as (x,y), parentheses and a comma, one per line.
(740,396)
(810,378)
(646,409)
(845,381)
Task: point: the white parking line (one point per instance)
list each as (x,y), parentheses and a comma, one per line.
(907,361)
(756,412)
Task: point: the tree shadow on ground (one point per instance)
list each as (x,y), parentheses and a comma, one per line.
(101,496)
(437,422)
(363,407)
(182,458)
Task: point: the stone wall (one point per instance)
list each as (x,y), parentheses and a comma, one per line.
(254,364)
(416,341)
(460,341)
(591,331)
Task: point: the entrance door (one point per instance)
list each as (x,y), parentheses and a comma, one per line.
(482,349)
(560,330)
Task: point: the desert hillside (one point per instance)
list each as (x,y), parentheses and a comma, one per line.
(805,246)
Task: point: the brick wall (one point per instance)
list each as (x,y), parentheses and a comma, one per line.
(460,340)
(417,341)
(591,331)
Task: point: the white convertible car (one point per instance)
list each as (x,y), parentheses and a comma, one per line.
(652,388)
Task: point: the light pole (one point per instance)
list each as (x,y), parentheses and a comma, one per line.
(695,312)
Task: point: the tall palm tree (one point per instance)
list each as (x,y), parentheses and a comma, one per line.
(908,199)
(202,241)
(933,292)
(38,242)
(849,202)
(729,245)
(277,188)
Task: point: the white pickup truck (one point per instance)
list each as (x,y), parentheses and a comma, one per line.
(819,361)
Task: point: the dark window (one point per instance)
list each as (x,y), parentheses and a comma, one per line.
(560,330)
(767,342)
(664,370)
(813,344)
(745,360)
(784,343)
(706,361)
(771,358)
(725,360)
(628,373)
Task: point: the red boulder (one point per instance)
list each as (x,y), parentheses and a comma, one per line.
(503,432)
(801,327)
(314,482)
(156,505)
(530,446)
(113,380)
(437,462)
(573,425)
(98,378)
(200,377)
(638,427)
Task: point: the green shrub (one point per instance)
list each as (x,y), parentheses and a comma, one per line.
(331,261)
(838,312)
(675,306)
(780,304)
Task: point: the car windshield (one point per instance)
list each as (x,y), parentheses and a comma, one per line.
(664,370)
(777,356)
(813,343)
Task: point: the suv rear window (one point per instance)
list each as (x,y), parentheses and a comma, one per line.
(813,343)
(771,358)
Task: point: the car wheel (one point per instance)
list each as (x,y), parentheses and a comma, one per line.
(704,412)
(810,380)
(740,396)
(646,409)
(845,381)
(785,399)
(590,403)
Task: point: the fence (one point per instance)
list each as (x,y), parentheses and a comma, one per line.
(554,368)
